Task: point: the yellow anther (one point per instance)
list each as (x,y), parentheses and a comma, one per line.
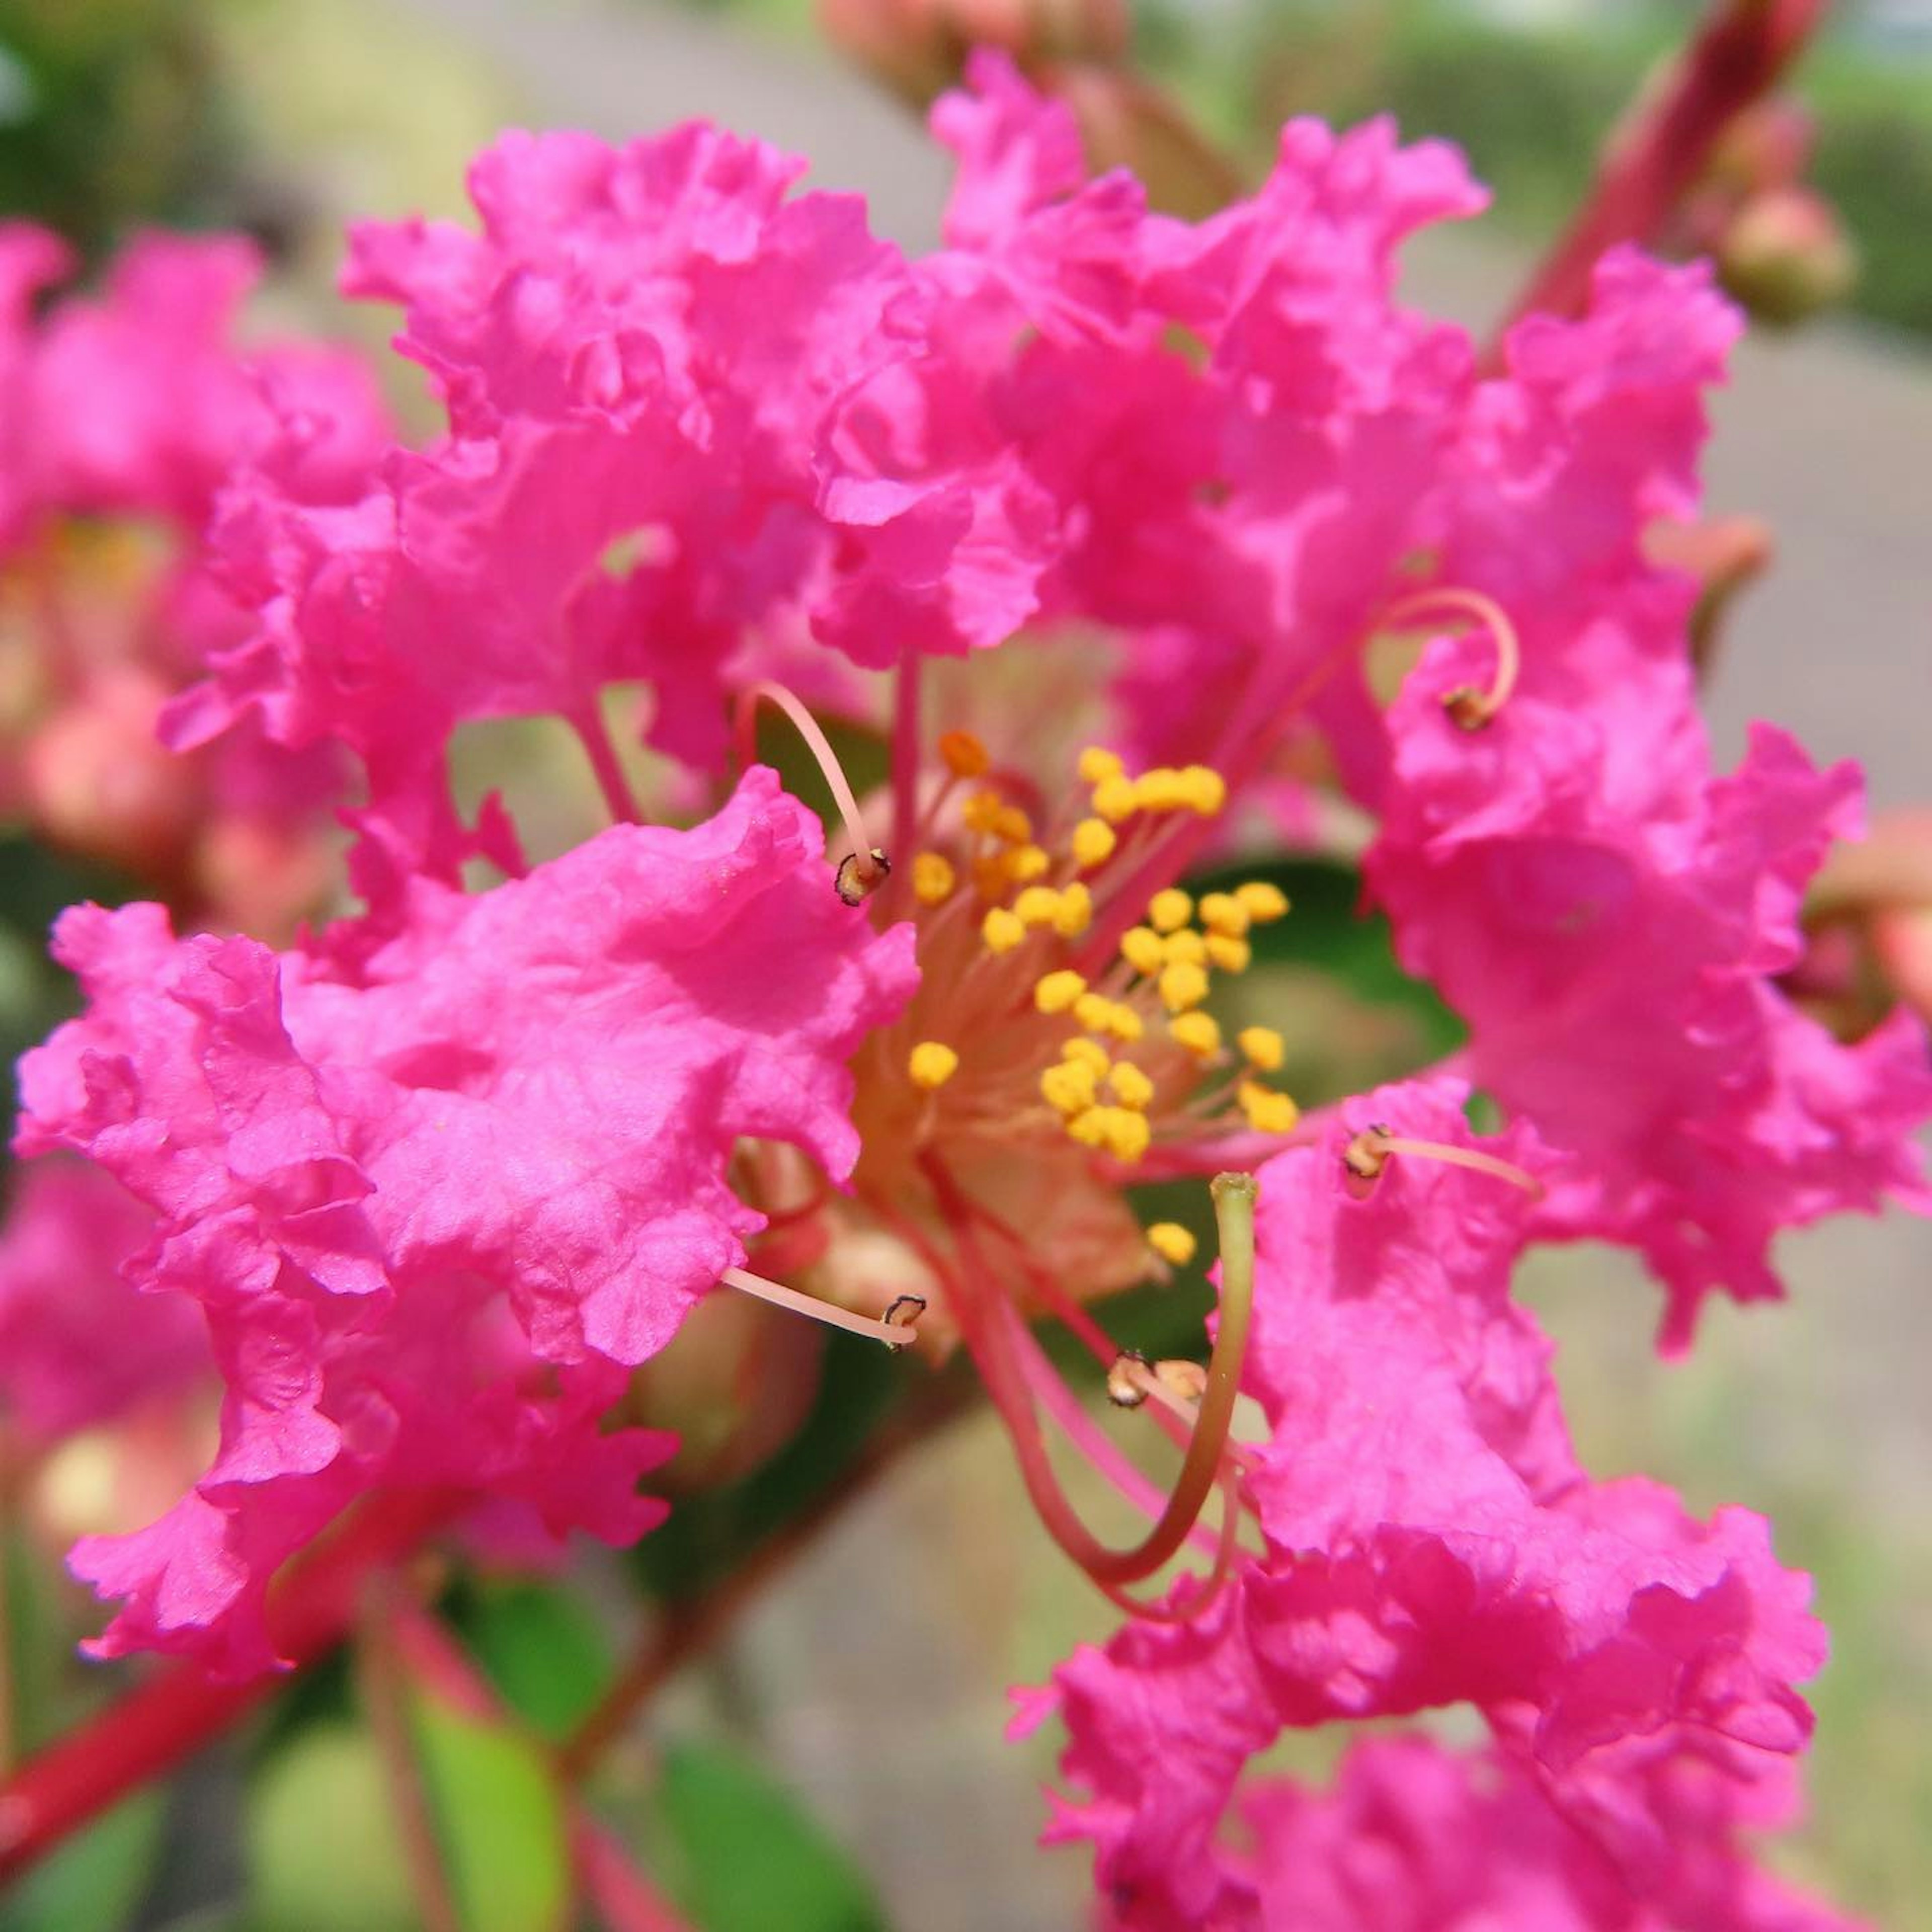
(1123,1022)
(1075,912)
(1144,949)
(1025,862)
(1169,911)
(1097,763)
(981,811)
(1011,826)
(965,756)
(1182,986)
(1261,1046)
(932,1063)
(1221,912)
(1203,790)
(1001,930)
(1089,1127)
(1125,1135)
(933,878)
(1172,1242)
(1232,956)
(1131,1086)
(1038,905)
(1264,902)
(1268,1112)
(1185,947)
(1055,992)
(1114,798)
(1068,1087)
(1093,842)
(1199,1033)
(1093,1011)
(1162,789)
(1086,1052)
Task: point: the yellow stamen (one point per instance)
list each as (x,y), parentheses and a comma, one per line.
(1026,862)
(1186,947)
(1143,948)
(1268,1112)
(1182,985)
(1085,1052)
(1169,910)
(1097,762)
(1223,913)
(933,878)
(965,756)
(1162,789)
(1069,1086)
(1092,1010)
(1199,1033)
(1038,905)
(1056,992)
(1172,1242)
(1001,930)
(1089,1127)
(1126,1135)
(1204,790)
(931,1064)
(981,811)
(1131,1086)
(1075,912)
(1265,903)
(1232,956)
(1093,842)
(1114,798)
(1262,1046)
(1123,1022)
(1011,826)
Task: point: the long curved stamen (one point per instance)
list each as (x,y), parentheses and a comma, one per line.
(1366,1155)
(867,866)
(895,1334)
(1194,1602)
(1235,1195)
(1470,708)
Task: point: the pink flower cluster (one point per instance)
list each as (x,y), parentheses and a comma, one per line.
(1431,1541)
(439,1178)
(122,415)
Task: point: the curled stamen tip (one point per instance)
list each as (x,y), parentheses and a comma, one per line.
(860,875)
(1469,708)
(1126,1380)
(1367,1154)
(903,1313)
(1187,1380)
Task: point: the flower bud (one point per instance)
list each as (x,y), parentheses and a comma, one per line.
(918,47)
(1785,256)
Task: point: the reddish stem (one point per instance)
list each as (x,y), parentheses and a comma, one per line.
(162,1722)
(1656,155)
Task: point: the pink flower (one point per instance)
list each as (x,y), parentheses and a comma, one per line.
(436,1199)
(1415,1838)
(1430,1541)
(79,1345)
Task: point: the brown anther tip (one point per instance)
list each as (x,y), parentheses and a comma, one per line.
(1186,1379)
(1365,1157)
(859,876)
(905,1313)
(1125,1389)
(1468,707)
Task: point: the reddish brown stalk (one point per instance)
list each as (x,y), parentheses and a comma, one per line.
(157,1726)
(1649,161)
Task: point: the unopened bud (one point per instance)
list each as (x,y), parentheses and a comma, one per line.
(918,47)
(1785,256)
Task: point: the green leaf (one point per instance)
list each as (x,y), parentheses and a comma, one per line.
(542,1649)
(499,1819)
(323,1855)
(95,1879)
(741,1855)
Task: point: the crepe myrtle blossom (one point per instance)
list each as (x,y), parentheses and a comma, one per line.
(1426,1538)
(442,1176)
(122,412)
